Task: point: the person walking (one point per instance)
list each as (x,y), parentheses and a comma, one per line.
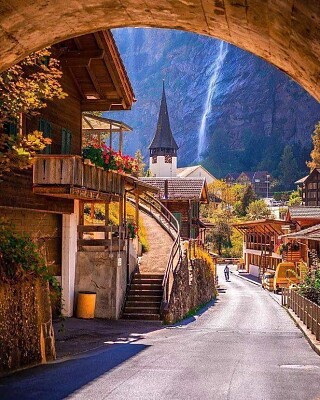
(227,272)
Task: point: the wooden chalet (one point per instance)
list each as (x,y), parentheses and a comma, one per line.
(301,217)
(182,197)
(304,245)
(310,188)
(261,241)
(47,201)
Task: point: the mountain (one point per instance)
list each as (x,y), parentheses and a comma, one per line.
(229,109)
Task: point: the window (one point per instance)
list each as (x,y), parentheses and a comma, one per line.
(46,128)
(65,141)
(10,128)
(154,159)
(168,159)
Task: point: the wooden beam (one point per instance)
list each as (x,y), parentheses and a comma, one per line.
(103,104)
(120,211)
(107,213)
(80,58)
(120,141)
(137,210)
(94,80)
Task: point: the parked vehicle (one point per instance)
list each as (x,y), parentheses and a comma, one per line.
(285,275)
(267,280)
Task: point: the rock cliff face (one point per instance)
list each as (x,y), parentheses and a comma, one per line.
(252,109)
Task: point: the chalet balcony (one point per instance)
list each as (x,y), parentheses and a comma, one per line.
(292,255)
(68,176)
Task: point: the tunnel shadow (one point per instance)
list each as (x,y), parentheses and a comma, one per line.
(59,380)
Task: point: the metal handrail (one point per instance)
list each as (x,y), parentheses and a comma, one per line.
(167,220)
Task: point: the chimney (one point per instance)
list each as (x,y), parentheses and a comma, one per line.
(166,191)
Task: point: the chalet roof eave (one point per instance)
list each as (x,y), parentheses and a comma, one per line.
(95,123)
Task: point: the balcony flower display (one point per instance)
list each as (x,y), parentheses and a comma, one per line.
(110,160)
(132,230)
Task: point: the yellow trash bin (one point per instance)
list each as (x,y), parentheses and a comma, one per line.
(86,304)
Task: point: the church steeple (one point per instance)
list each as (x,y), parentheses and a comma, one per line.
(163,141)
(163,148)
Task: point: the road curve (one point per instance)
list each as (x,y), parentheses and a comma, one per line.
(244,346)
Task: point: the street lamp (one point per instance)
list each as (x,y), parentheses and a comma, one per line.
(267,182)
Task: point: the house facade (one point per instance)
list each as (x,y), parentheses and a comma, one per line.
(261,244)
(259,180)
(48,200)
(310,188)
(196,171)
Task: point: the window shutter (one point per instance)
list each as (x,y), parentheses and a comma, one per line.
(63,140)
(46,128)
(66,137)
(69,137)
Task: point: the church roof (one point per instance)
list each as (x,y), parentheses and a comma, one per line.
(163,137)
(179,188)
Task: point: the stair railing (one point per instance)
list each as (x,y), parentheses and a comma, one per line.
(153,207)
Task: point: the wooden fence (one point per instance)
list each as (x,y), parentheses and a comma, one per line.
(306,310)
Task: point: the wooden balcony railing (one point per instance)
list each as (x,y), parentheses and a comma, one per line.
(292,255)
(306,310)
(111,238)
(69,176)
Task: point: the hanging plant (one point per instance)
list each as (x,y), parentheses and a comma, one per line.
(283,248)
(132,230)
(103,156)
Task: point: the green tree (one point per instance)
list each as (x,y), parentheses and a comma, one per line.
(241,206)
(221,233)
(315,153)
(258,210)
(295,199)
(141,165)
(288,168)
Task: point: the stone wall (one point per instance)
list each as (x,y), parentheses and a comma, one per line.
(97,272)
(193,286)
(26,332)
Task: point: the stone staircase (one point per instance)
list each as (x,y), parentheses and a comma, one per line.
(143,300)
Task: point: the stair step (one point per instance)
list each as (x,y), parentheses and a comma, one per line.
(152,317)
(146,280)
(141,310)
(145,299)
(152,293)
(138,303)
(145,286)
(148,276)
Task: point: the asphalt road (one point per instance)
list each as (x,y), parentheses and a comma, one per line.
(244,346)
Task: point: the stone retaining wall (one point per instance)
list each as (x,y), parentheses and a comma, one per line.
(26,332)
(193,286)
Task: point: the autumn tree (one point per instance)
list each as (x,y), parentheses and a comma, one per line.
(25,88)
(315,153)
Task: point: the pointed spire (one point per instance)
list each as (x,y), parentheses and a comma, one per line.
(163,137)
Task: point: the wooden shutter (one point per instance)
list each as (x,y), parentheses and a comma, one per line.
(66,137)
(46,128)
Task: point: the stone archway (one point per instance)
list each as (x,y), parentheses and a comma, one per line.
(284,32)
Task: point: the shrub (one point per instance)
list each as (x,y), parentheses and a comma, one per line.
(20,258)
(310,288)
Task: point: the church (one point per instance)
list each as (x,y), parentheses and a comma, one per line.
(182,196)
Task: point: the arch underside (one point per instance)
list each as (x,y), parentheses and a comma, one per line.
(285,33)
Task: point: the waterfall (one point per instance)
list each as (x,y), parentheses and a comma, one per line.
(211,94)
